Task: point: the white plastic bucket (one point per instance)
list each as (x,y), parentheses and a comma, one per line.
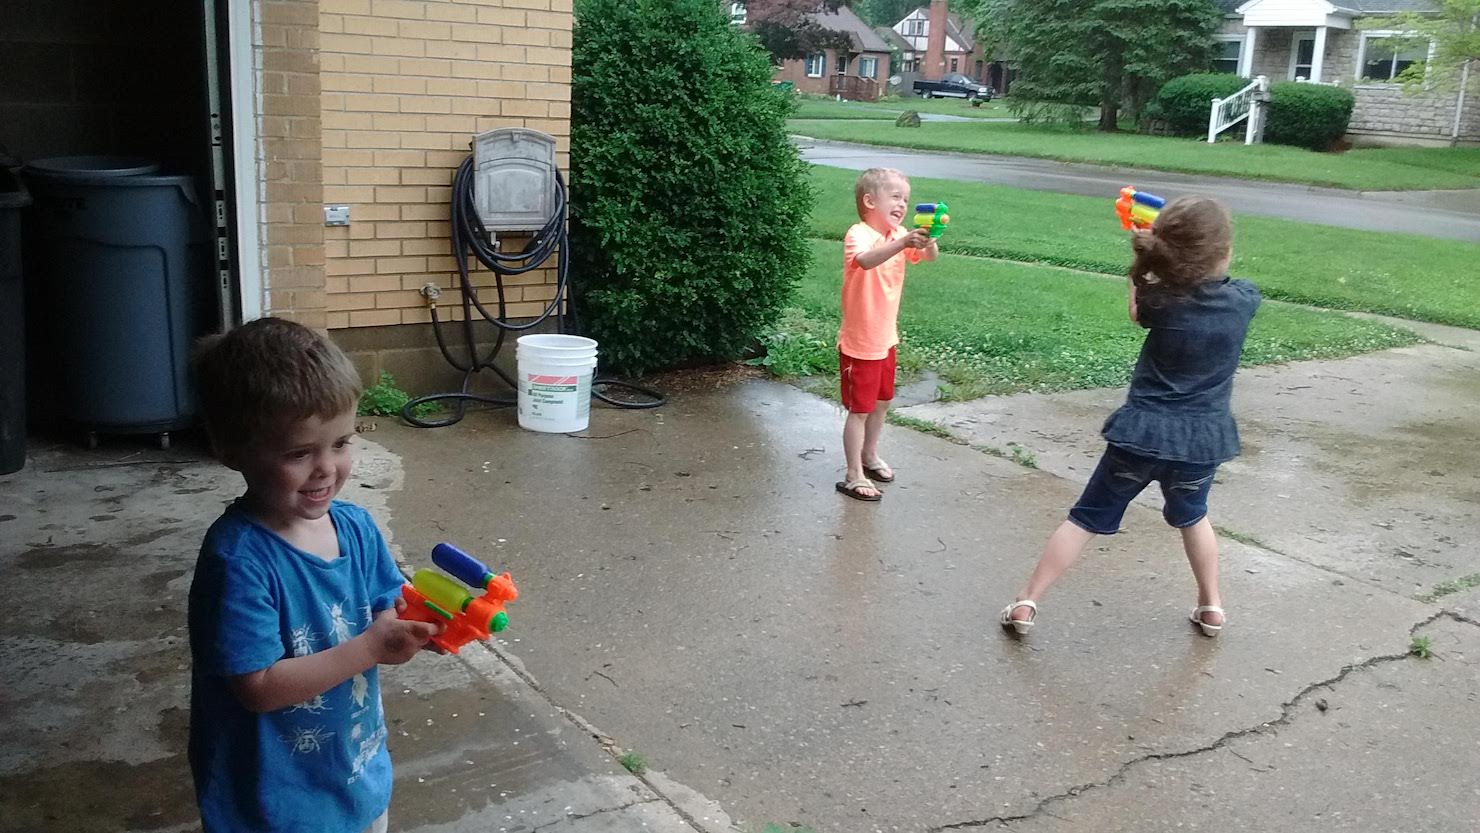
(555,373)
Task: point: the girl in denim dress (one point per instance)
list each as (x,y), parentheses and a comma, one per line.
(1176,425)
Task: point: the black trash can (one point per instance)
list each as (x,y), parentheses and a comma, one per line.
(13,198)
(114,274)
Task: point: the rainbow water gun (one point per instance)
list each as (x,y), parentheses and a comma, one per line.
(1137,208)
(932,216)
(433,597)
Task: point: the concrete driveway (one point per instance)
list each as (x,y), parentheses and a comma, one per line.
(1454,215)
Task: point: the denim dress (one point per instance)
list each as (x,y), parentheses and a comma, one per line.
(1178,407)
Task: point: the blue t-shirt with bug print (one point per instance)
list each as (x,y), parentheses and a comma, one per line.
(321,765)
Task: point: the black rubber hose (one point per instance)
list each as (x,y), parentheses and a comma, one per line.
(469,235)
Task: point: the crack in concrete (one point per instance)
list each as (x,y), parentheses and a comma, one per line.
(1287,715)
(574,817)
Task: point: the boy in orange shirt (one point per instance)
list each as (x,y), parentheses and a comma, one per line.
(874,256)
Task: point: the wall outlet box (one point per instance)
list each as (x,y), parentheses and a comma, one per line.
(336,215)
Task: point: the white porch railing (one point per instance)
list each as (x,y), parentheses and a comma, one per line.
(1246,105)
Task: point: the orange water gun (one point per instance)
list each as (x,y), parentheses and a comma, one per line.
(1137,208)
(433,597)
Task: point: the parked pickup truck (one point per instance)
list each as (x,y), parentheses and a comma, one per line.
(954,85)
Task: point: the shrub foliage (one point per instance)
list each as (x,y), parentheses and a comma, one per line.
(1183,103)
(1311,116)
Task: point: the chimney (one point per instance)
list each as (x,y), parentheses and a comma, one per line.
(934,67)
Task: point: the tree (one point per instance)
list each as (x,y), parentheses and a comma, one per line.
(787,29)
(1105,53)
(885,12)
(686,194)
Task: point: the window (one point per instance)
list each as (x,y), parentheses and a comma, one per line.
(842,64)
(912,64)
(816,64)
(738,14)
(1304,57)
(915,27)
(1384,56)
(955,65)
(868,67)
(1226,53)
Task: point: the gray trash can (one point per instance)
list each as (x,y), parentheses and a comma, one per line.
(114,270)
(13,198)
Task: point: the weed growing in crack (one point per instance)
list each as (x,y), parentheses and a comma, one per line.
(792,827)
(633,763)
(924,426)
(1240,537)
(1421,647)
(1449,588)
(1022,456)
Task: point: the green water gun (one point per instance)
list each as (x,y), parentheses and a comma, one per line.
(932,216)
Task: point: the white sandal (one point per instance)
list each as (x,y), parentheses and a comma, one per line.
(1021,626)
(1195,617)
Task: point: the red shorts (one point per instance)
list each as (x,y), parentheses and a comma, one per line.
(866,381)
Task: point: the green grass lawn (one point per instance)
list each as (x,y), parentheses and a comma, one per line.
(887,109)
(1378,169)
(1394,274)
(988,327)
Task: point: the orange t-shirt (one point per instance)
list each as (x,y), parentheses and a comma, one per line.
(871,296)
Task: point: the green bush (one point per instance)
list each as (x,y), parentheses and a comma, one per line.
(1183,103)
(689,204)
(1311,116)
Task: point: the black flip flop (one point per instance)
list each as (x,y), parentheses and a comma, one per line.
(851,490)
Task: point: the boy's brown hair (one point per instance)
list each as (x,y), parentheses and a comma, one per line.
(1190,238)
(267,373)
(870,182)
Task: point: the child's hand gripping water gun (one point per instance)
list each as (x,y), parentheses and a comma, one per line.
(932,217)
(1137,208)
(433,597)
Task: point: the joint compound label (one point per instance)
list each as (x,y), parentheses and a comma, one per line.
(556,397)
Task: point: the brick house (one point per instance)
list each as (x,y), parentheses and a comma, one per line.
(859,72)
(283,107)
(1323,42)
(937,42)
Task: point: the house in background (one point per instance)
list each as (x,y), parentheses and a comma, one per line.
(935,43)
(858,72)
(1321,42)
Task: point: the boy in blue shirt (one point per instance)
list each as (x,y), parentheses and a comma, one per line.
(294,601)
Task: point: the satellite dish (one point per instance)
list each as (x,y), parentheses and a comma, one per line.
(894,80)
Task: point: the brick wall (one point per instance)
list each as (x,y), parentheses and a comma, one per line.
(795,71)
(290,132)
(406,84)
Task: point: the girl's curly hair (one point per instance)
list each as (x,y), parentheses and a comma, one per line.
(1190,237)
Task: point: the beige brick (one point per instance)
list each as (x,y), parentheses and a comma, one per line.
(549,20)
(523,72)
(527,4)
(362,231)
(495,122)
(330,62)
(559,75)
(374,318)
(561,40)
(528,109)
(400,194)
(372,139)
(444,263)
(424,212)
(340,120)
(370,26)
(456,13)
(423,30)
(375,283)
(344,6)
(349,157)
(401,158)
(561,6)
(342,266)
(289,277)
(425,176)
(291,14)
(292,192)
(452,86)
(464,106)
(412,9)
(290,105)
(432,141)
(372,64)
(555,127)
(419,316)
(373,176)
(501,53)
(342,301)
(348,193)
(336,321)
(475,69)
(334,139)
(400,122)
(446,158)
(374,213)
(335,249)
(452,124)
(479,33)
(425,246)
(527,37)
(339,82)
(540,55)
(400,84)
(501,17)
(436,194)
(372,103)
(548,92)
(502,89)
(452,49)
(400,230)
(560,110)
(374,248)
(426,104)
(400,299)
(345,43)
(430,67)
(308,256)
(402,47)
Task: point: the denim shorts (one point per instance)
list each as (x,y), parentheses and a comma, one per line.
(1122,474)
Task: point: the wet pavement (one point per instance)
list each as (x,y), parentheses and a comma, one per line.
(694,591)
(1448,214)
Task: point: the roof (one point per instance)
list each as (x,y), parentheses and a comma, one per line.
(1353,6)
(863,38)
(894,39)
(962,30)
